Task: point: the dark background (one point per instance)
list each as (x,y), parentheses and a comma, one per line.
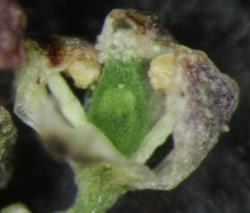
(222,184)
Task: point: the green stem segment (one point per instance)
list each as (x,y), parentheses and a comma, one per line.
(97,188)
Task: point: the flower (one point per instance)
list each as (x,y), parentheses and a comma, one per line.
(144,87)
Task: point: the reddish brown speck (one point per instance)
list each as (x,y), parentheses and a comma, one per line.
(146,20)
(57,146)
(53,47)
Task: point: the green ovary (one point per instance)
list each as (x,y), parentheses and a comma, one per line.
(119,105)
